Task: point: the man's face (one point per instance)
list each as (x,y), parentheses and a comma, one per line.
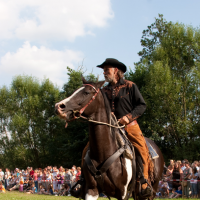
(109,73)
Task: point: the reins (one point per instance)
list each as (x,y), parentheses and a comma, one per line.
(97,122)
(79,112)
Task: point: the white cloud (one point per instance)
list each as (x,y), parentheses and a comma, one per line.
(50,19)
(40,62)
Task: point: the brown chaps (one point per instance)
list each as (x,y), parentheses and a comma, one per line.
(137,139)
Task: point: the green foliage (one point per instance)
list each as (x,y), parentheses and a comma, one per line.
(168,77)
(28,123)
(75,80)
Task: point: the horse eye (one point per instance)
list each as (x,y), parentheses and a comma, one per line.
(87,93)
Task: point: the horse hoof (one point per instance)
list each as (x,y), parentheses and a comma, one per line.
(76,193)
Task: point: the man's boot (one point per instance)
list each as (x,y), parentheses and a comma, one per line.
(146,191)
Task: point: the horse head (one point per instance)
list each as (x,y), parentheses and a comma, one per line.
(82,100)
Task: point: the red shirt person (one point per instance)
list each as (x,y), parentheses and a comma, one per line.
(31,172)
(78,174)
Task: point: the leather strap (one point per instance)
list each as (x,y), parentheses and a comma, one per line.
(111,159)
(98,174)
(91,100)
(83,109)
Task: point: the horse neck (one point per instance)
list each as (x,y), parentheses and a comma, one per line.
(102,142)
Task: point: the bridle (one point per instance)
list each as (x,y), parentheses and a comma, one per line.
(78,113)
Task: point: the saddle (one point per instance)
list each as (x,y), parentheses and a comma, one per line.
(121,136)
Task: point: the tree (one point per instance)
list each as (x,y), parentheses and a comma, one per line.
(28,123)
(168,77)
(30,132)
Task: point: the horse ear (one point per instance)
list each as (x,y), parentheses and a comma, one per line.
(83,79)
(100,84)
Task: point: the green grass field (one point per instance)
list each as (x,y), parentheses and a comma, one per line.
(15,195)
(22,196)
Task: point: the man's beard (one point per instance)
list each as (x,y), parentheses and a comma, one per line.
(109,79)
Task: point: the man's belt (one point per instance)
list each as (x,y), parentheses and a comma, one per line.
(131,124)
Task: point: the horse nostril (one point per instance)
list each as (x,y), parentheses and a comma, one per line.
(62,106)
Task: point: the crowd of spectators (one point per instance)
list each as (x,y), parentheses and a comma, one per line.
(49,181)
(180,179)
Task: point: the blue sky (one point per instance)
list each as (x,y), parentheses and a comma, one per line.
(41,38)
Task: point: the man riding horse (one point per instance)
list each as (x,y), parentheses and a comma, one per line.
(127,104)
(107,164)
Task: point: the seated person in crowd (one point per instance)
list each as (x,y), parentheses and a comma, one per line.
(60,192)
(33,189)
(42,190)
(2,189)
(12,182)
(50,189)
(26,181)
(28,185)
(16,186)
(176,193)
(64,190)
(164,189)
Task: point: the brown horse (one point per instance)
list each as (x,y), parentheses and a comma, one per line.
(89,101)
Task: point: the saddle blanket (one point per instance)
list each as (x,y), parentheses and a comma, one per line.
(153,153)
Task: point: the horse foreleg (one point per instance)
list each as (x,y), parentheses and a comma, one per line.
(129,176)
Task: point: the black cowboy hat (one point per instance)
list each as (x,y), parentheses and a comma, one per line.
(113,62)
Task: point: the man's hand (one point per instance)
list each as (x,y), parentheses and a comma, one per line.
(124,120)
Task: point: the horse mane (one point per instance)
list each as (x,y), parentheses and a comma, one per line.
(107,105)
